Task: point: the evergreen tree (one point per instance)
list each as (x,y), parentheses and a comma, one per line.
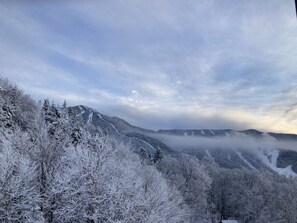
(5,112)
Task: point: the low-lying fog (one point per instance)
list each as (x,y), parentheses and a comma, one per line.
(237,141)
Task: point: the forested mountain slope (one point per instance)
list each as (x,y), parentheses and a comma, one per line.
(215,144)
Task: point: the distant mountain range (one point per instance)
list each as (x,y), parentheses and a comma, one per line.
(249,149)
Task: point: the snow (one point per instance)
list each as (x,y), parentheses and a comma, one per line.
(230,221)
(112,125)
(82,111)
(208,153)
(287,171)
(149,145)
(269,157)
(246,162)
(115,129)
(118,132)
(90,119)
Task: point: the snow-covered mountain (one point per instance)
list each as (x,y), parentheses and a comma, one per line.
(248,149)
(137,138)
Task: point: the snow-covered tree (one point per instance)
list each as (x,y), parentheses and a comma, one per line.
(45,152)
(190,178)
(287,200)
(19,198)
(100,183)
(5,112)
(15,106)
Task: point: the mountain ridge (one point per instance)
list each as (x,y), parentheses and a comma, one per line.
(149,142)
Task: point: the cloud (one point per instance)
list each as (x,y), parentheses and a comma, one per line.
(235,141)
(212,64)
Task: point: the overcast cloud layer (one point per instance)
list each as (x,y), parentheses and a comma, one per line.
(159,64)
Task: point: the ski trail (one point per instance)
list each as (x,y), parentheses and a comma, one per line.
(246,162)
(82,111)
(208,153)
(90,119)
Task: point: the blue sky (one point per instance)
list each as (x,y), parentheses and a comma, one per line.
(159,64)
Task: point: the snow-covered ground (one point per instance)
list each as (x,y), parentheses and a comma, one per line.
(269,157)
(82,111)
(90,119)
(208,153)
(245,161)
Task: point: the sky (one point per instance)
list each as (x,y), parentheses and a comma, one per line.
(159,64)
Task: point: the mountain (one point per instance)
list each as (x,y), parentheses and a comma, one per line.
(137,138)
(249,149)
